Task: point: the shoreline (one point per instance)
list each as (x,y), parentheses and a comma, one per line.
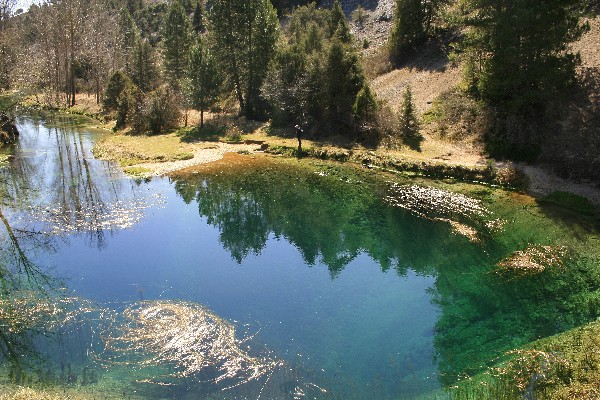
(540,182)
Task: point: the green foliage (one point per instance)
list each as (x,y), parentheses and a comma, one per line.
(338,24)
(409,123)
(365,107)
(118,83)
(176,43)
(144,71)
(518,51)
(408,30)
(129,102)
(315,78)
(359,15)
(203,77)
(342,80)
(127,35)
(198,19)
(244,34)
(163,112)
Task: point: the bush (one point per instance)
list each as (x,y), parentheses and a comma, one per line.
(163,112)
(117,84)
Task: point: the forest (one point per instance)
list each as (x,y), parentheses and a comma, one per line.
(148,63)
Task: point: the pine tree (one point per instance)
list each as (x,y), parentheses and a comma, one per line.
(117,83)
(408,28)
(522,49)
(365,105)
(338,24)
(176,43)
(342,80)
(198,19)
(409,124)
(144,71)
(128,35)
(244,33)
(204,79)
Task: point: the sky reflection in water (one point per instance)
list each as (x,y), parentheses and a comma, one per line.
(354,295)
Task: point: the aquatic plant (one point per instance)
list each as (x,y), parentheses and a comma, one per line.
(26,310)
(121,214)
(185,335)
(533,260)
(465,214)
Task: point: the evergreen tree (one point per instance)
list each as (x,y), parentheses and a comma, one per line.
(338,24)
(408,28)
(409,124)
(244,33)
(365,105)
(342,80)
(198,19)
(522,50)
(204,80)
(176,43)
(127,36)
(144,71)
(117,83)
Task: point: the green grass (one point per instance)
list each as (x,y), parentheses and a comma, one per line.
(209,132)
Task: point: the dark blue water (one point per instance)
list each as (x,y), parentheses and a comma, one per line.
(352,295)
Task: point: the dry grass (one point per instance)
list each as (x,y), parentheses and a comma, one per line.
(533,260)
(186,336)
(445,206)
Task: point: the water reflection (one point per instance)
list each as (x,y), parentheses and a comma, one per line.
(50,185)
(332,216)
(329,215)
(439,312)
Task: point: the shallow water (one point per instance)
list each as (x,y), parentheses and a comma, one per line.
(354,297)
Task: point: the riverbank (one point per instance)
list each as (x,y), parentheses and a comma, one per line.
(148,156)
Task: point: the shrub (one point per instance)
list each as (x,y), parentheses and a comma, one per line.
(118,83)
(163,112)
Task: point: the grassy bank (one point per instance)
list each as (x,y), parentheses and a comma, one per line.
(561,367)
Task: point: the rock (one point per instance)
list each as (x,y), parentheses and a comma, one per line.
(8,129)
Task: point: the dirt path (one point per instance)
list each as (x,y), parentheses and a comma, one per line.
(203,153)
(542,183)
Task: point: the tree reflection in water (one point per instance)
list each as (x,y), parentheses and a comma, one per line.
(50,189)
(331,215)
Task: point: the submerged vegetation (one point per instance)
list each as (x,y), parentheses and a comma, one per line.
(189,337)
(515,287)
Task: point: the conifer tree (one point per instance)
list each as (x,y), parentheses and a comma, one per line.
(128,35)
(198,19)
(176,43)
(144,71)
(522,50)
(204,79)
(409,124)
(338,24)
(365,105)
(342,80)
(117,83)
(244,33)
(407,30)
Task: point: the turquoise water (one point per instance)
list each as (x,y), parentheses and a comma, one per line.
(354,298)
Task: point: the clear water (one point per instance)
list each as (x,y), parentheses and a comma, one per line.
(355,297)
